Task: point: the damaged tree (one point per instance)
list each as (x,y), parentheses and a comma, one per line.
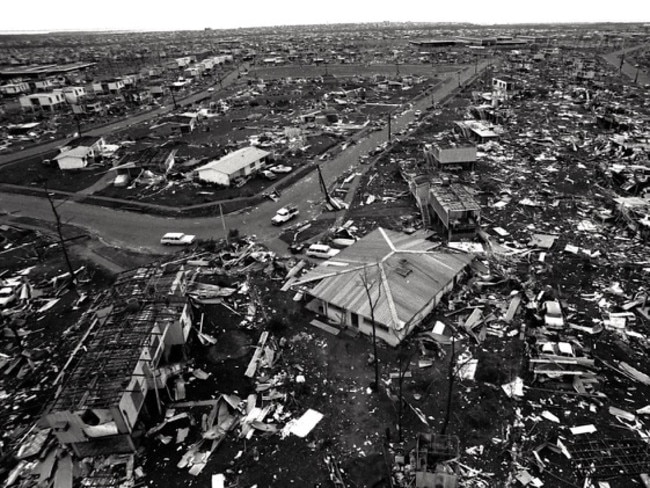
(368,285)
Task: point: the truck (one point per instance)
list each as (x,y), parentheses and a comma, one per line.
(284,215)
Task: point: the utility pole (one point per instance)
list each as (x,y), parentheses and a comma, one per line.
(76,119)
(73,279)
(223,223)
(620,68)
(390,116)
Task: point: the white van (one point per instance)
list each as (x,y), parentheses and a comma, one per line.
(321,251)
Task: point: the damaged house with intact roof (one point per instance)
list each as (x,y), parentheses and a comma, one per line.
(406,276)
(135,343)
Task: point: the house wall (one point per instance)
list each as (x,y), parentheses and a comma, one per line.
(180,329)
(363,324)
(213,176)
(67,426)
(67,163)
(133,397)
(455,154)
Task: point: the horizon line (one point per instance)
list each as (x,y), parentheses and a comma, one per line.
(207,28)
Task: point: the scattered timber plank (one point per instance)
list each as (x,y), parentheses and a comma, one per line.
(63,475)
(512,308)
(325,327)
(252,366)
(198,403)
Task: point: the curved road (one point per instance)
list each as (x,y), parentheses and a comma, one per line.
(142,232)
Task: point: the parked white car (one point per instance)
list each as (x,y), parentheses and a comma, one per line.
(284,215)
(321,251)
(280,168)
(269,175)
(177,239)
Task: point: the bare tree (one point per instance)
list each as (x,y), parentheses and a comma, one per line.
(368,286)
(450,389)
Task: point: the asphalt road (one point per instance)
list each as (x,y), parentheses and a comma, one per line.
(41,149)
(631,71)
(142,232)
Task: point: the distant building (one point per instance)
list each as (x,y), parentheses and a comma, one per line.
(46,101)
(185,122)
(478,130)
(504,86)
(112,86)
(237,164)
(184,61)
(79,152)
(16,88)
(72,94)
(451,156)
(42,85)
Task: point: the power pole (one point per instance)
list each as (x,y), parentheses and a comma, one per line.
(76,119)
(59,231)
(223,223)
(390,116)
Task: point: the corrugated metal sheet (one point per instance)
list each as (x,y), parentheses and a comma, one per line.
(410,276)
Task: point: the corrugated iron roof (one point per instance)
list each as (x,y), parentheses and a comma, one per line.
(235,161)
(403,274)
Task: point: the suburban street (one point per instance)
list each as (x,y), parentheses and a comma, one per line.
(118,125)
(631,71)
(142,232)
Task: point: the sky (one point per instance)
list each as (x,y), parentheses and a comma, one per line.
(152,15)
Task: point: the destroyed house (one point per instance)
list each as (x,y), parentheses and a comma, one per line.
(135,339)
(185,123)
(450,155)
(79,152)
(504,85)
(449,207)
(477,130)
(405,276)
(157,159)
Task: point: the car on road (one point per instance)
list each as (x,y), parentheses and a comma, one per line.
(211,89)
(177,239)
(284,214)
(269,175)
(280,168)
(321,251)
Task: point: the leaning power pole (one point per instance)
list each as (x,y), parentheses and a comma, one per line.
(59,231)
